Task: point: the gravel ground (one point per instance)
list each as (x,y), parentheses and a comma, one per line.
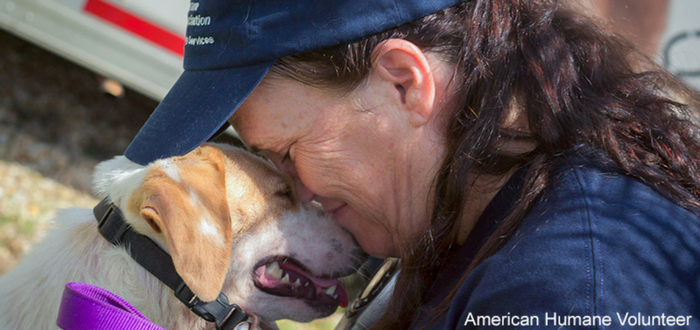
(55,124)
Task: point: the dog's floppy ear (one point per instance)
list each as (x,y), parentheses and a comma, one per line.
(184,198)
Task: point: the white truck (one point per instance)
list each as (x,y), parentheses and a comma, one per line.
(679,50)
(139,43)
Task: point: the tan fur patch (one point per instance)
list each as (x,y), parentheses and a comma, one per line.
(201,261)
(254,190)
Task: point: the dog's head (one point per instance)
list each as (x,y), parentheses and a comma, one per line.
(232,224)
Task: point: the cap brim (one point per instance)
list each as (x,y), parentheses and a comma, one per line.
(197,105)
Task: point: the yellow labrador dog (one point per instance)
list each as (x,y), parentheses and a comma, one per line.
(229,221)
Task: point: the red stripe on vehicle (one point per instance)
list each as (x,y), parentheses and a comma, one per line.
(136,25)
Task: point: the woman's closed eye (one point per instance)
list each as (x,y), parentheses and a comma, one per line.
(285,158)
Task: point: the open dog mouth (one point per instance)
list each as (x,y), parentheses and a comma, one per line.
(284,276)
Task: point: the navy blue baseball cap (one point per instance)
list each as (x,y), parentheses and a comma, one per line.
(230,47)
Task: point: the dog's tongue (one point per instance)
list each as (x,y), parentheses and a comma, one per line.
(286,279)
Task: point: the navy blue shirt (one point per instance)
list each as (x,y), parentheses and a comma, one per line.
(599,250)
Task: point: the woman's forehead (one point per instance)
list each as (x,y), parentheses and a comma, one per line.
(266,129)
(259,136)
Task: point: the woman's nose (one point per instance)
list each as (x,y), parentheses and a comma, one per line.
(304,195)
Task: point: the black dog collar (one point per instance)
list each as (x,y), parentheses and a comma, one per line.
(113,227)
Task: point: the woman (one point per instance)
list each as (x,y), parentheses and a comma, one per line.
(508,151)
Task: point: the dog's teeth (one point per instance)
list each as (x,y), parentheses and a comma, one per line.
(306,284)
(335,296)
(330,291)
(274,270)
(297,282)
(285,279)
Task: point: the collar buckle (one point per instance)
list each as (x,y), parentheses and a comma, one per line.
(226,316)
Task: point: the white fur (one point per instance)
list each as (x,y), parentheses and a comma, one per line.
(207,227)
(75,252)
(117,178)
(30,294)
(170,169)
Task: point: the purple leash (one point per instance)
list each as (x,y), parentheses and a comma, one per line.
(87,307)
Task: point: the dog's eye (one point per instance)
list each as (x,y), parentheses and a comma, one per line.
(284,192)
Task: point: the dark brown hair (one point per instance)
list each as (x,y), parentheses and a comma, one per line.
(580,88)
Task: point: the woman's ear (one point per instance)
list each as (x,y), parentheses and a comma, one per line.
(409,75)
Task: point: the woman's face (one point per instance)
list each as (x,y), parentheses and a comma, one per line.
(353,154)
